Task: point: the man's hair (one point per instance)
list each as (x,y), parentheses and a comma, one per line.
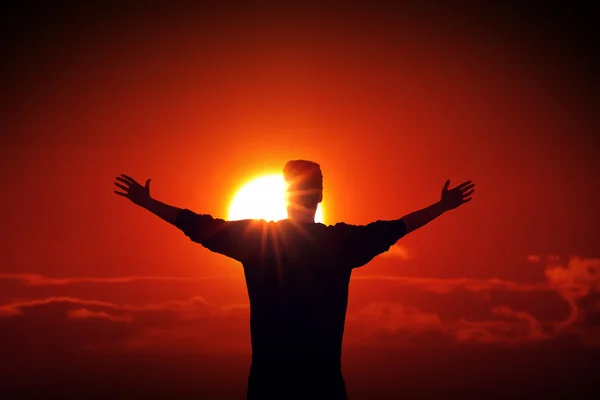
(304,183)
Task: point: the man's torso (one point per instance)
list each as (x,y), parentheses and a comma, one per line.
(298,293)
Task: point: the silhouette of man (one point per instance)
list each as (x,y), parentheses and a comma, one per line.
(297,275)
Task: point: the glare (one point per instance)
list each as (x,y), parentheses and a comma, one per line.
(263,198)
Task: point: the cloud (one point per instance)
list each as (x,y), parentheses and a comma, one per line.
(193,308)
(58,326)
(514,327)
(577,283)
(393,317)
(16,308)
(85,313)
(445,286)
(42,280)
(401,252)
(392,324)
(9,311)
(459,310)
(491,332)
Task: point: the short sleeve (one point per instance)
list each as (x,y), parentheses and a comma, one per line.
(359,244)
(217,235)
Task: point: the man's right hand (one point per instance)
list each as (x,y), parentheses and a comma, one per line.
(455,197)
(131,189)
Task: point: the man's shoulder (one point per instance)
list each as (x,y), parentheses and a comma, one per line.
(250,223)
(342,227)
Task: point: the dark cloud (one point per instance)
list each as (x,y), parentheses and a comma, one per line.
(464,310)
(566,302)
(63,325)
(85,335)
(41,280)
(444,286)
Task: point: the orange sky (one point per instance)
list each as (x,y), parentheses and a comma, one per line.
(390,104)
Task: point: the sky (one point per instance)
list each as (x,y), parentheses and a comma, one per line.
(501,296)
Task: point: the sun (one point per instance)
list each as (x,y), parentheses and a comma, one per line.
(263,198)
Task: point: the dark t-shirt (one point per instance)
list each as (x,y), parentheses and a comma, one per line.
(297,275)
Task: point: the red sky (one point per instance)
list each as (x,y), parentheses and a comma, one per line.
(502,294)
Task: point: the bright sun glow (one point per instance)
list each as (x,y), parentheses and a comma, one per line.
(263,198)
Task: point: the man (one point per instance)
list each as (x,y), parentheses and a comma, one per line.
(297,275)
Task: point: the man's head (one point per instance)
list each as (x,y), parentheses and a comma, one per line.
(304,181)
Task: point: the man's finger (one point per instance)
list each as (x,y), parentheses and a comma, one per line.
(467,194)
(125,188)
(125,181)
(471,186)
(121,194)
(148,183)
(462,185)
(467,200)
(128,178)
(447,184)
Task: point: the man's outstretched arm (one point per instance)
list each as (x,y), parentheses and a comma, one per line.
(140,195)
(220,236)
(360,244)
(450,199)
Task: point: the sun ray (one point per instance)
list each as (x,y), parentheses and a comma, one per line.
(275,237)
(301,229)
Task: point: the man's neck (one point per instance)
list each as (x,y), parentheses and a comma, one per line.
(305,215)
